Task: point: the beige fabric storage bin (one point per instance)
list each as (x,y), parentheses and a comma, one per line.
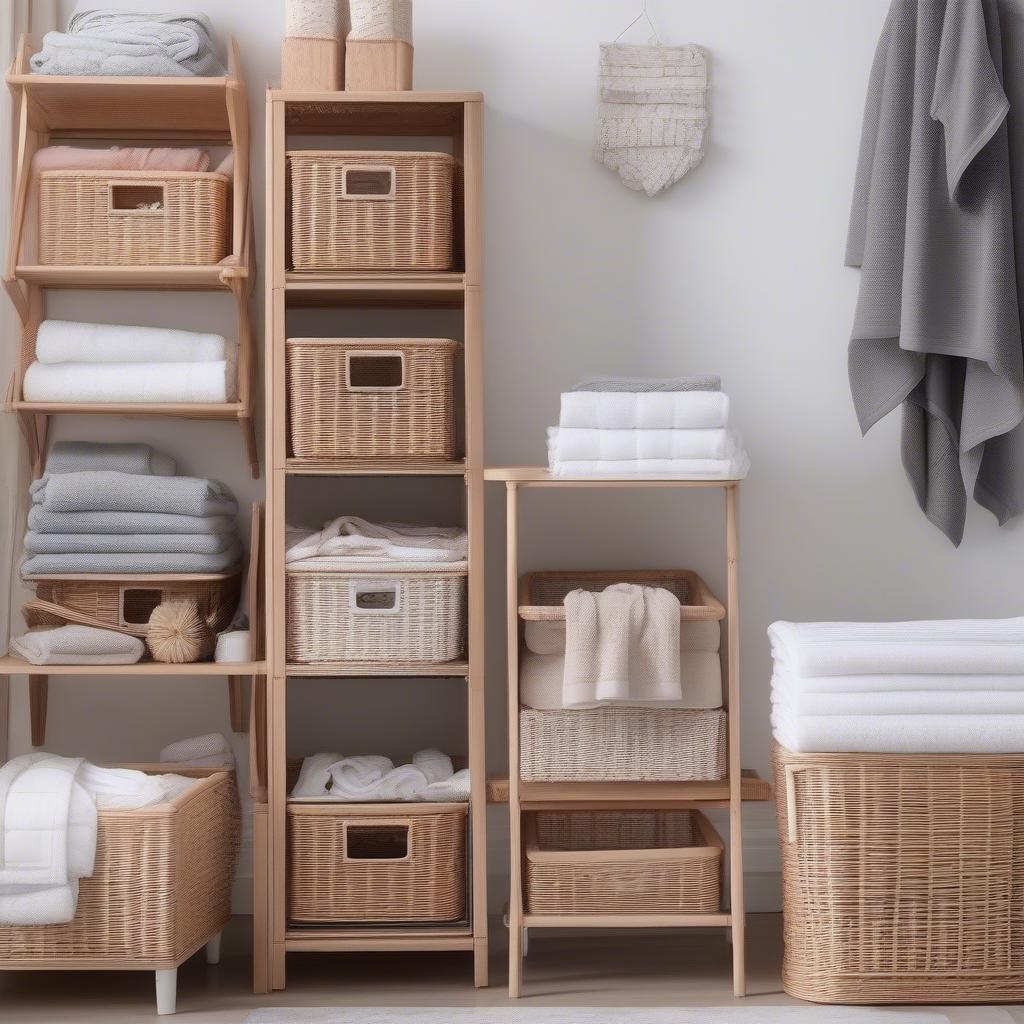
(903,877)
(406,614)
(161,888)
(367,863)
(94,218)
(362,210)
(622,745)
(371,398)
(621,862)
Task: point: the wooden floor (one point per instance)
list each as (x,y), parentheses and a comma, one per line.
(584,969)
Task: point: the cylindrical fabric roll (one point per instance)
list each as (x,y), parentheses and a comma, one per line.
(381,19)
(233,646)
(314,19)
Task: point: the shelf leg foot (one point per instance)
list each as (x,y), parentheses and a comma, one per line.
(213,949)
(38,691)
(481,977)
(277,967)
(166,991)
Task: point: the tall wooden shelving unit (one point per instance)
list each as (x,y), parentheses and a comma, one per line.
(447,116)
(539,796)
(57,109)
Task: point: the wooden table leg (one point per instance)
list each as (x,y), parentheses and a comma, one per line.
(238,711)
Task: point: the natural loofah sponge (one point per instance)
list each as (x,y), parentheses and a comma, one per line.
(178,634)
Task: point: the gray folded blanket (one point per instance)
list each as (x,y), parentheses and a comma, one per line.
(123,492)
(120,523)
(128,543)
(140,562)
(108,41)
(640,385)
(89,456)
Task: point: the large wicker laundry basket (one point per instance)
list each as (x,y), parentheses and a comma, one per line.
(903,877)
(622,862)
(363,210)
(160,891)
(137,218)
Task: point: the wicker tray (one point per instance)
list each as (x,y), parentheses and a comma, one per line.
(622,745)
(622,862)
(376,863)
(92,218)
(371,397)
(161,888)
(371,210)
(903,877)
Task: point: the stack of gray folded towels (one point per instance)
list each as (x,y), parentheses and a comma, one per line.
(119,508)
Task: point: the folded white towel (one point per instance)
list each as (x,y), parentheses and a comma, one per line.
(541,679)
(359,541)
(583,444)
(621,644)
(653,410)
(894,702)
(209,750)
(78,645)
(65,341)
(435,765)
(370,777)
(548,636)
(454,789)
(950,647)
(201,383)
(687,469)
(315,775)
(120,789)
(897,683)
(901,734)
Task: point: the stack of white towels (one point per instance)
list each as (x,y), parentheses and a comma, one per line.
(611,426)
(113,363)
(952,686)
(372,778)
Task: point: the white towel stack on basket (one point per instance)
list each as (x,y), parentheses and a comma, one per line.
(949,687)
(611,426)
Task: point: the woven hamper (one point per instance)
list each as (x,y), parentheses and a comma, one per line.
(406,614)
(104,218)
(371,398)
(622,862)
(371,210)
(903,877)
(376,863)
(622,745)
(125,602)
(161,888)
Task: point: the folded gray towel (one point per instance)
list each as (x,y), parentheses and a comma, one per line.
(122,492)
(78,645)
(128,543)
(41,521)
(89,457)
(50,565)
(640,385)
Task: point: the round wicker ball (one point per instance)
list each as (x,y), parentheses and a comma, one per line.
(178,634)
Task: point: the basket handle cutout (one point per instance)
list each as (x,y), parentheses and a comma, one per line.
(387,841)
(137,200)
(379,371)
(137,604)
(368,181)
(375,597)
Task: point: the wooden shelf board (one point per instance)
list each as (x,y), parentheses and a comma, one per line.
(177,410)
(396,98)
(11,665)
(403,938)
(539,476)
(375,113)
(536,795)
(397,290)
(397,670)
(107,107)
(722,920)
(374,467)
(199,278)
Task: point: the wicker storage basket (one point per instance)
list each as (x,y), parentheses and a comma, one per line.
(541,593)
(125,602)
(903,877)
(371,398)
(622,745)
(622,862)
(93,218)
(371,211)
(161,888)
(376,862)
(406,614)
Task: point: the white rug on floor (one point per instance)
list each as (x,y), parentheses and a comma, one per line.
(592,1015)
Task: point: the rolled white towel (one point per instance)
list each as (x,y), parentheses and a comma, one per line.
(64,341)
(435,765)
(145,383)
(233,646)
(209,750)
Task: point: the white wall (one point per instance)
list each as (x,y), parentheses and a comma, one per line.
(736,270)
